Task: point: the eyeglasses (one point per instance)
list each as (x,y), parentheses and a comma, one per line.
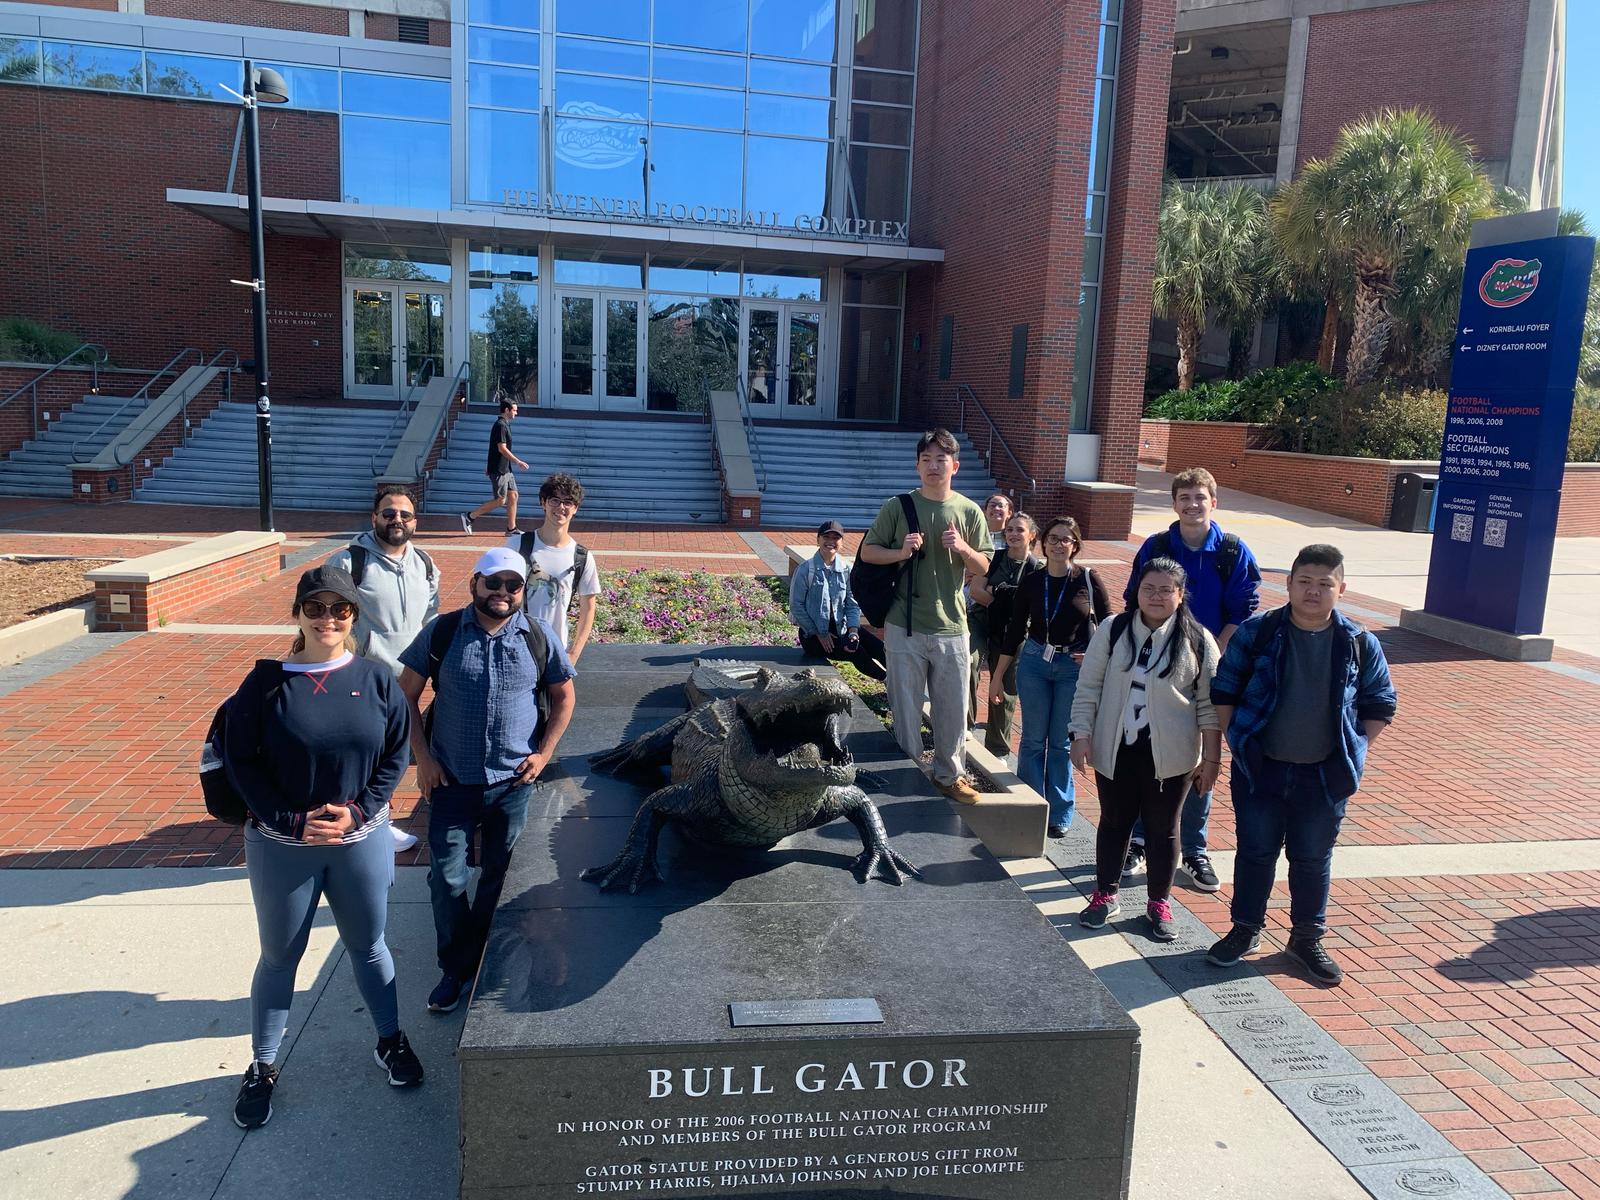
(1061,541)
(389,514)
(502,583)
(1160,593)
(342,610)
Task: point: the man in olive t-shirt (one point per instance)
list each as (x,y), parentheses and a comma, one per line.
(930,661)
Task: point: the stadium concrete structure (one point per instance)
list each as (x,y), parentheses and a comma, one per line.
(864,214)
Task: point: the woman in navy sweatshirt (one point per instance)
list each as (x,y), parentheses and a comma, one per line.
(316,745)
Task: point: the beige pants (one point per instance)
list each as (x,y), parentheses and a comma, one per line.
(927,667)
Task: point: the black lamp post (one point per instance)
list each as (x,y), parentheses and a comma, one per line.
(262,85)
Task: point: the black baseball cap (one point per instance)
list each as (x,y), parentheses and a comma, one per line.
(327,579)
(830,527)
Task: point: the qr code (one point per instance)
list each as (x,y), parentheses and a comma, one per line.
(1494,532)
(1460,527)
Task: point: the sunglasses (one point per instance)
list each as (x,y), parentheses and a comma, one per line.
(502,583)
(389,514)
(342,610)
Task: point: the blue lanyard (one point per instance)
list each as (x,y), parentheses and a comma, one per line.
(1050,610)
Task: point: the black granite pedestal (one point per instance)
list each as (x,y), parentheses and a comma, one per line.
(599,1055)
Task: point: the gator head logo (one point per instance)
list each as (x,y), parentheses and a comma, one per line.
(1509,282)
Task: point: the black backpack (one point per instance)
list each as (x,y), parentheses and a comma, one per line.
(223,800)
(875,585)
(444,632)
(358,562)
(580,558)
(1227,554)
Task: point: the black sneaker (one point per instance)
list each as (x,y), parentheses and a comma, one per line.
(1308,952)
(445,994)
(1102,907)
(1056,831)
(1201,877)
(1133,860)
(394,1055)
(253,1108)
(1238,942)
(466,522)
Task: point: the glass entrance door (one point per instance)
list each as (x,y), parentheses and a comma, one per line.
(601,349)
(394,332)
(780,349)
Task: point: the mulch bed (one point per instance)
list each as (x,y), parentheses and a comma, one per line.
(32,587)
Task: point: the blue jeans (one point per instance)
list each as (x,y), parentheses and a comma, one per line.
(1191,827)
(1284,807)
(1044,754)
(499,811)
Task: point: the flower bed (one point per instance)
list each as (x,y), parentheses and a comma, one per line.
(652,605)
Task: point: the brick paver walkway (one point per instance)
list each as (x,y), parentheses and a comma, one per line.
(1477,997)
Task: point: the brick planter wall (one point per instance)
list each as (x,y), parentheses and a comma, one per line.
(1361,489)
(177,596)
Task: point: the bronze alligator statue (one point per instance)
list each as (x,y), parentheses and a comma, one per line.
(750,766)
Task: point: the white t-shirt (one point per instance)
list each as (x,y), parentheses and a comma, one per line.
(550,581)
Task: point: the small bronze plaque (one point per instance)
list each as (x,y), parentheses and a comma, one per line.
(862,1011)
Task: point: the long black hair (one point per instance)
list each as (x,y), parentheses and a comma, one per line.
(1187,629)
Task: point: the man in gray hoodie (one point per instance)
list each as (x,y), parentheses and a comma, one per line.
(398,585)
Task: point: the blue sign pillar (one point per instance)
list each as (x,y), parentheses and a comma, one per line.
(1505,438)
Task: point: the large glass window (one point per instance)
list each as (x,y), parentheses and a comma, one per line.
(625,19)
(191,75)
(693,167)
(396,96)
(786,175)
(503,87)
(497,45)
(604,270)
(669,276)
(1094,211)
(788,114)
(19,60)
(682,66)
(710,24)
(598,96)
(503,322)
(403,163)
(600,158)
(879,182)
(363,260)
(793,28)
(521,14)
(503,154)
(869,346)
(108,68)
(309,87)
(693,347)
(886,34)
(714,108)
(778,283)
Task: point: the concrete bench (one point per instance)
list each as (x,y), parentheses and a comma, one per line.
(798,554)
(1012,821)
(146,592)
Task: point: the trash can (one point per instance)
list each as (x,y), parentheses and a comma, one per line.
(1414,496)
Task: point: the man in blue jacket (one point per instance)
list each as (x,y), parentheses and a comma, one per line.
(1224,590)
(1303,692)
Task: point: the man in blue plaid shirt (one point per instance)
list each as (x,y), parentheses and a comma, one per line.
(1303,692)
(487,746)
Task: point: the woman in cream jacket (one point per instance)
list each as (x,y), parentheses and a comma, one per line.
(1142,718)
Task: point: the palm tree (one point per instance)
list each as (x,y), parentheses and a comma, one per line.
(1306,265)
(1396,182)
(1209,257)
(1574,223)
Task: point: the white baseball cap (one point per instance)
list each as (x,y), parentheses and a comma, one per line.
(501,559)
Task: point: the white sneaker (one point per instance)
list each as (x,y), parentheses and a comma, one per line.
(402,839)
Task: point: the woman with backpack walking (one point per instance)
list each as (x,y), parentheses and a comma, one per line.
(315,746)
(1053,615)
(1143,720)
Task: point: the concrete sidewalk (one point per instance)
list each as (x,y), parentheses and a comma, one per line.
(125,1014)
(1382,562)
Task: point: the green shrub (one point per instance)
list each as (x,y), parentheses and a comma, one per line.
(1213,400)
(1267,394)
(1583,440)
(23,340)
(1374,421)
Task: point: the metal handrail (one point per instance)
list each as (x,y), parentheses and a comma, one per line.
(143,394)
(749,432)
(100,356)
(227,396)
(457,382)
(964,394)
(425,371)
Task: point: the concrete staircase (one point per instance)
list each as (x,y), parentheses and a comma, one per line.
(637,471)
(321,459)
(846,474)
(43,466)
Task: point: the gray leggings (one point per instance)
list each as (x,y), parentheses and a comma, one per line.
(286,883)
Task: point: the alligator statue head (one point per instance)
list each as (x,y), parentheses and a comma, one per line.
(792,732)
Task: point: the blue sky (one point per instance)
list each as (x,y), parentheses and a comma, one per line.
(1580,187)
